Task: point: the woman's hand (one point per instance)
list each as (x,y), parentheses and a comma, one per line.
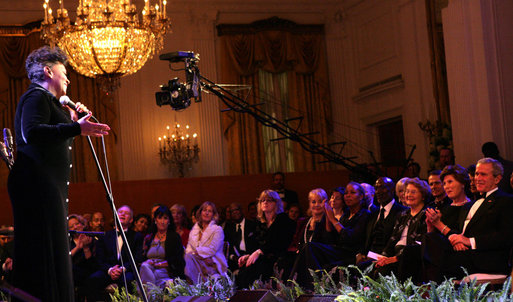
(80,109)
(84,240)
(253,257)
(88,128)
(160,264)
(385,261)
(242,260)
(329,211)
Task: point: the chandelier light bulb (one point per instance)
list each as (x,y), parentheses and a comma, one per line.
(107,40)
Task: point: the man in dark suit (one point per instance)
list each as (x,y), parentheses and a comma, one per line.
(240,234)
(113,258)
(486,239)
(381,224)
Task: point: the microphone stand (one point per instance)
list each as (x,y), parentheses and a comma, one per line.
(110,199)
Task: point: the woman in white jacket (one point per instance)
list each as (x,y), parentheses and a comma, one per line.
(204,254)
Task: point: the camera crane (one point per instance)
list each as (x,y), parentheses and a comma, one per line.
(179,95)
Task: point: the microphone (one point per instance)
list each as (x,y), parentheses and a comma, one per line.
(65,100)
(5,155)
(8,141)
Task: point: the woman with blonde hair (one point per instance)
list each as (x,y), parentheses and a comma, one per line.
(204,254)
(274,234)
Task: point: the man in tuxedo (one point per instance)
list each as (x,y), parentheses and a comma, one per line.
(240,233)
(486,239)
(113,259)
(381,223)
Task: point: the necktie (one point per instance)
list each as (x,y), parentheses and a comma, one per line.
(381,214)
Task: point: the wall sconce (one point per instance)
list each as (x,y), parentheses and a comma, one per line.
(179,150)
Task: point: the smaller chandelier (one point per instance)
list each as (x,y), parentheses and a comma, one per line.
(107,40)
(179,150)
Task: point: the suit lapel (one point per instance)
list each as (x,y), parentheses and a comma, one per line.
(487,204)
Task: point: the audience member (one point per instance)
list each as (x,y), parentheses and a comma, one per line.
(141,223)
(402,253)
(113,258)
(484,237)
(287,196)
(351,227)
(491,150)
(252,211)
(87,217)
(163,250)
(274,234)
(6,252)
(82,254)
(337,202)
(400,187)
(381,224)
(294,212)
(181,222)
(314,233)
(193,213)
(474,194)
(240,233)
(97,223)
(369,196)
(442,222)
(204,254)
(439,198)
(445,157)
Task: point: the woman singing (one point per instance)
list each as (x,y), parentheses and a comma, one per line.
(38,182)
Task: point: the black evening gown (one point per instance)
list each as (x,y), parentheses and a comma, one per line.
(38,189)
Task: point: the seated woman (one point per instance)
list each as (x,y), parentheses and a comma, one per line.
(163,250)
(314,233)
(351,227)
(337,202)
(141,223)
(274,234)
(204,254)
(82,253)
(402,252)
(181,222)
(442,223)
(456,184)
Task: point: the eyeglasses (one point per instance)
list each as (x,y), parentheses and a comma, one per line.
(267,200)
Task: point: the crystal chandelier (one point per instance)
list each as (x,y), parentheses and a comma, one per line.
(179,149)
(107,40)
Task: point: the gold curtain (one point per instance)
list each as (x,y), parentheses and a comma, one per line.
(15,45)
(276,46)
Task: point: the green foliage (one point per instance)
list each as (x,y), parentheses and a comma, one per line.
(348,284)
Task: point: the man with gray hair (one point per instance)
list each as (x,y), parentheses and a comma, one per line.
(485,236)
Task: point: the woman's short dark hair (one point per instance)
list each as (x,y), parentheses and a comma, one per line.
(459,173)
(41,57)
(159,212)
(359,188)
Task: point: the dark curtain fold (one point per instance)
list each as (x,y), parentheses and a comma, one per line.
(303,57)
(13,53)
